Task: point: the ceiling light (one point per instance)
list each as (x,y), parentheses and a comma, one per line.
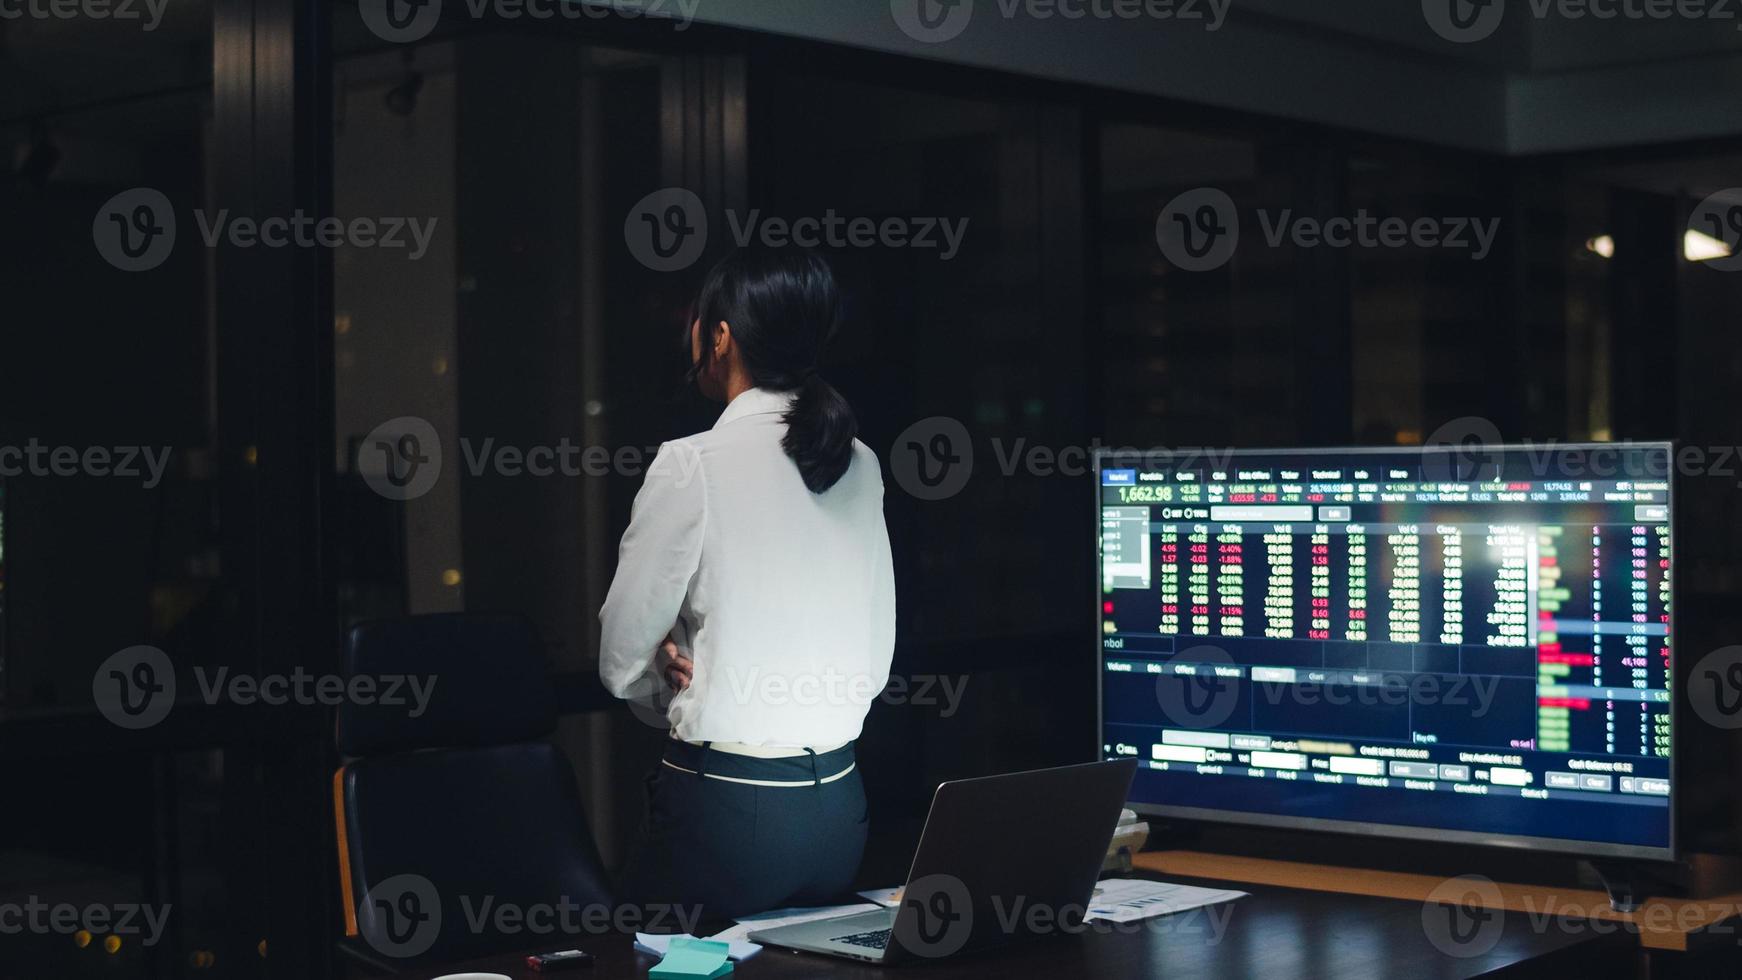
(1701,247)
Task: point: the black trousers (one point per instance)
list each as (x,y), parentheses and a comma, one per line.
(722,849)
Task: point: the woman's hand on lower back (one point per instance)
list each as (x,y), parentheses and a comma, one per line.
(674,667)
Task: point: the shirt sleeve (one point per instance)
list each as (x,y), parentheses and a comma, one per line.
(882,603)
(655,563)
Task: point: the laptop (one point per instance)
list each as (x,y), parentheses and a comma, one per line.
(1000,858)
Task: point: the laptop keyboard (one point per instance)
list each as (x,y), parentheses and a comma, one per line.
(870,940)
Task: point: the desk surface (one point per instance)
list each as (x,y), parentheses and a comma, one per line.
(1274,932)
(1677,924)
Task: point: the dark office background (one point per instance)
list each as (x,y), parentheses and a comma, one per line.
(529,321)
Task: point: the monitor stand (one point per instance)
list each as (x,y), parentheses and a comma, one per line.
(1624,882)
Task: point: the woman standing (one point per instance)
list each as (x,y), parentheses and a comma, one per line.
(755,581)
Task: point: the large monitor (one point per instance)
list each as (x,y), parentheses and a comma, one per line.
(1466,645)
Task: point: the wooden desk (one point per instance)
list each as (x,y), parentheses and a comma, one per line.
(1272,934)
(1673,924)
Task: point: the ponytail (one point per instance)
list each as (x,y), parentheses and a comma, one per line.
(819,433)
(783,305)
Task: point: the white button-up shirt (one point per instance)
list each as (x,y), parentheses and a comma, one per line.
(783,598)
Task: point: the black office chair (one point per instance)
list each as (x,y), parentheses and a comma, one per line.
(466,804)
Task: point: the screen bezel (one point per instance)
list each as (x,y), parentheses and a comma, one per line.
(1408,832)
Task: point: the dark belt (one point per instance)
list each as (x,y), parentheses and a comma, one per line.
(809,769)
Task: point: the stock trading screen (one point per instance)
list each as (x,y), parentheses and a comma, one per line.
(1465,645)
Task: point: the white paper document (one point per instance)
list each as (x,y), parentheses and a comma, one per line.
(1132,899)
(658,945)
(886,897)
(784,917)
(736,937)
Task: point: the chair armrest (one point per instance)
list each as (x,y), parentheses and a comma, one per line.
(358,960)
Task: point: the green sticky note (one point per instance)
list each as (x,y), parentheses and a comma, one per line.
(686,959)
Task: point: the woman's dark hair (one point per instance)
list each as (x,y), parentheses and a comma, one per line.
(782,306)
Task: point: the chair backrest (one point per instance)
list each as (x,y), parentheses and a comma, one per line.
(460,828)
